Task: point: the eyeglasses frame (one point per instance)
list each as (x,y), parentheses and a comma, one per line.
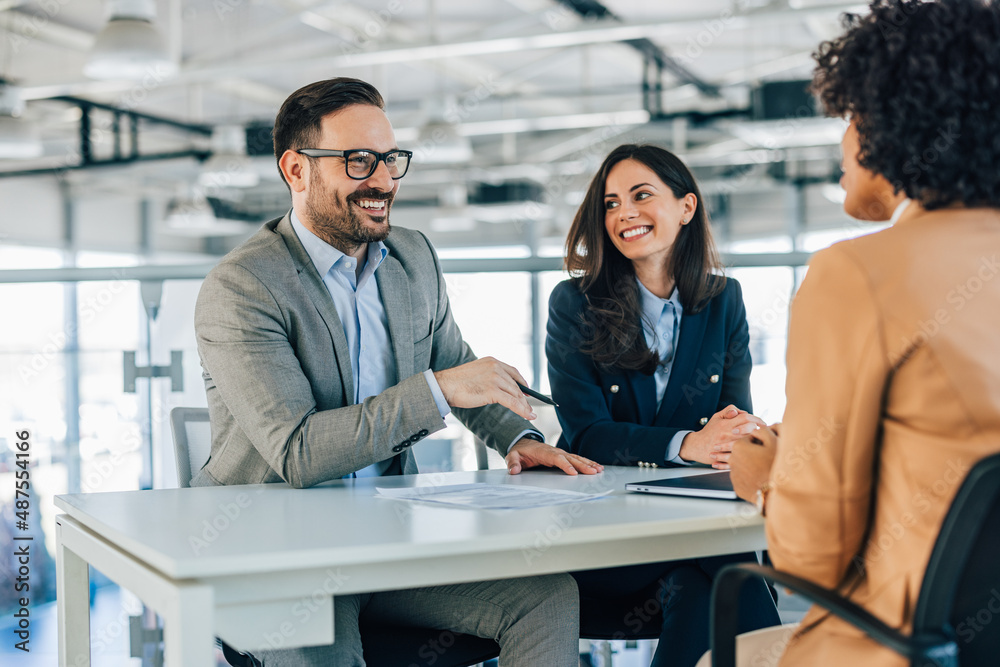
(379,157)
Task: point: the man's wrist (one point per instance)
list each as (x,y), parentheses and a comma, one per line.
(535,435)
(439,399)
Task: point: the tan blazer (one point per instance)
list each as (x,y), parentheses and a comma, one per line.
(893,393)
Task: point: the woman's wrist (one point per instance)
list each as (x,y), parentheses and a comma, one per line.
(760,498)
(689,445)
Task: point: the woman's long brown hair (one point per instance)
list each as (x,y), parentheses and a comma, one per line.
(612,324)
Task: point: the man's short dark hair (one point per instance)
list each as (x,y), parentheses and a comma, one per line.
(297,124)
(920,78)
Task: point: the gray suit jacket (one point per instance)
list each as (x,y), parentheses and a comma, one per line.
(278,373)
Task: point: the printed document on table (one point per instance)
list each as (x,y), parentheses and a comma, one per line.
(489,496)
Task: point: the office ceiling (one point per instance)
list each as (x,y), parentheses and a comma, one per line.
(540,89)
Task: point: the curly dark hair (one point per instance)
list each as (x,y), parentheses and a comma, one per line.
(612,324)
(922,81)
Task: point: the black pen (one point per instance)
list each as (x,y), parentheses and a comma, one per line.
(534,394)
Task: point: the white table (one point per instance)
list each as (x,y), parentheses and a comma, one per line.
(257,565)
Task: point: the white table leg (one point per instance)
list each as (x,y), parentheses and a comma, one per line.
(73,605)
(188,636)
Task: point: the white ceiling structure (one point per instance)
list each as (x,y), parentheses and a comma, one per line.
(540,90)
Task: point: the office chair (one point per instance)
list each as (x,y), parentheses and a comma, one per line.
(192,435)
(383,645)
(960,583)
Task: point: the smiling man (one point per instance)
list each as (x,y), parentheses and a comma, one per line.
(329,349)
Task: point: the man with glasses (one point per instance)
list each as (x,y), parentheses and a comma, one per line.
(329,349)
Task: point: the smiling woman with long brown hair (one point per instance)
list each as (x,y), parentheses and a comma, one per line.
(649,362)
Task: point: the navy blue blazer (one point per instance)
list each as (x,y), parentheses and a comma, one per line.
(612,417)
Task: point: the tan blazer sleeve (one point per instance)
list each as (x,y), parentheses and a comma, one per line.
(817,513)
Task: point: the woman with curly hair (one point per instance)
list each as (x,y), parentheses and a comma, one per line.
(893,347)
(648,360)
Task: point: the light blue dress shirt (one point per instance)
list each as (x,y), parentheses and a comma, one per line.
(661,325)
(362,314)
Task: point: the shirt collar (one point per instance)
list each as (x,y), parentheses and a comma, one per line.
(652,305)
(324,255)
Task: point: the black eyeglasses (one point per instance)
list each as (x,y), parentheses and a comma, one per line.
(360,163)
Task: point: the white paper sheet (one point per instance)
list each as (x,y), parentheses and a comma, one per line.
(489,496)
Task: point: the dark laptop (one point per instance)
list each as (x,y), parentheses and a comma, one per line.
(710,485)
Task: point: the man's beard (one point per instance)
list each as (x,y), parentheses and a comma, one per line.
(338,222)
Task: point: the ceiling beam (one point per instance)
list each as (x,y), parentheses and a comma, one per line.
(25,27)
(601,32)
(592,9)
(339,19)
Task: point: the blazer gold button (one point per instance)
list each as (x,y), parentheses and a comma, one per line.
(713,379)
(703,421)
(614,389)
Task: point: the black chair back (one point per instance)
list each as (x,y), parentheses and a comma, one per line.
(961,589)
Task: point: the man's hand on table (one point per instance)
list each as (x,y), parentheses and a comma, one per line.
(751,461)
(527,453)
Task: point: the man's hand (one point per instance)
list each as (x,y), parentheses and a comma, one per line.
(527,453)
(482,382)
(714,442)
(751,461)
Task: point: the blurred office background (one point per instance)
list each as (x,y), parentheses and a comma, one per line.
(135,152)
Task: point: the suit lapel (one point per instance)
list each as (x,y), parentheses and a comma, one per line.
(394,288)
(689,342)
(312,282)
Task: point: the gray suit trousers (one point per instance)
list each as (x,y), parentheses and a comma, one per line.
(535,620)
